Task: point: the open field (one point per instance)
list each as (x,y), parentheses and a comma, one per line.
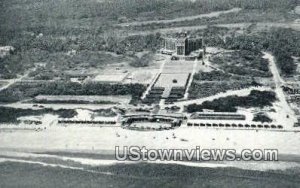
(168,80)
(125,73)
(141,76)
(111,78)
(180,66)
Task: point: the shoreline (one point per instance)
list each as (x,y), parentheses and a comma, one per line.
(75,162)
(110,155)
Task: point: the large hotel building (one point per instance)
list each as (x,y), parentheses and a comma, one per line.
(183,45)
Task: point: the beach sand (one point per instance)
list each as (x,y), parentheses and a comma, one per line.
(98,139)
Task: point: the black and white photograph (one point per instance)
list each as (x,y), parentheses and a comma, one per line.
(149,93)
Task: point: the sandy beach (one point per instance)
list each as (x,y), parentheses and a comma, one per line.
(82,138)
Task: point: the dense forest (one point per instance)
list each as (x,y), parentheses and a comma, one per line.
(11,115)
(230,103)
(283,43)
(40,30)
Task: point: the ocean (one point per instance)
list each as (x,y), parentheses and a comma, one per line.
(21,173)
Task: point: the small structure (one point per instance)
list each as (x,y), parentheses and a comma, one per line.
(218,116)
(297,124)
(30,120)
(6,50)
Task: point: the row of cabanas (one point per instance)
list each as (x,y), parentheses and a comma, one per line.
(233,125)
(86,122)
(30,122)
(145,128)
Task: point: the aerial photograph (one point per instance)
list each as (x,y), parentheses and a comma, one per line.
(149,93)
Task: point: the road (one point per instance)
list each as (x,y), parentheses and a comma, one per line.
(10,82)
(180,19)
(242,25)
(278,83)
